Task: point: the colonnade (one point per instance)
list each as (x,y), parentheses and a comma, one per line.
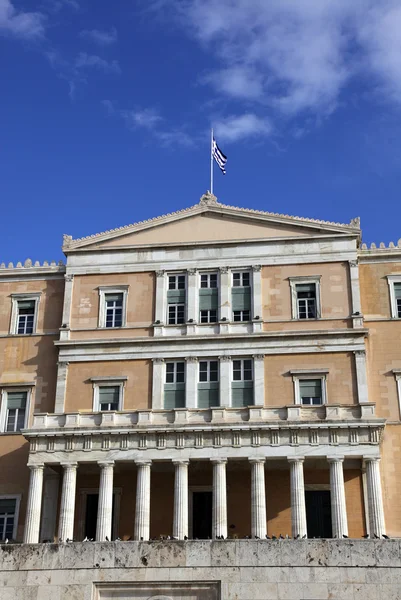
(219,519)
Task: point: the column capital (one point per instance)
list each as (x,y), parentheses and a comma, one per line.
(353,263)
(371,458)
(253,460)
(72,465)
(256,268)
(191,359)
(224,269)
(39,467)
(160,273)
(360,353)
(158,361)
(295,459)
(225,358)
(192,271)
(181,462)
(104,464)
(143,463)
(258,356)
(69,277)
(219,461)
(335,459)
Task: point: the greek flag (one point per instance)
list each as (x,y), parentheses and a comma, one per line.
(218,156)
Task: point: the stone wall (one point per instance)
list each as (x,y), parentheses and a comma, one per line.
(203,570)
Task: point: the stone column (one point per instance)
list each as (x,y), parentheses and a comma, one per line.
(105,507)
(258,497)
(32,522)
(67,506)
(259,379)
(219,498)
(298,508)
(158,381)
(375,497)
(142,508)
(225,294)
(226,367)
(180,523)
(192,296)
(361,376)
(191,382)
(337,495)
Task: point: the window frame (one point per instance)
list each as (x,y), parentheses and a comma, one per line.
(242,359)
(313,279)
(15,299)
(176,306)
(242,320)
(208,361)
(308,375)
(208,274)
(241,272)
(209,321)
(175,362)
(17,498)
(176,275)
(391,280)
(103,291)
(5,390)
(99,382)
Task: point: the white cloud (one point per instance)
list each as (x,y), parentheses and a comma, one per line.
(91,61)
(56,5)
(26,25)
(102,38)
(147,118)
(241,127)
(295,56)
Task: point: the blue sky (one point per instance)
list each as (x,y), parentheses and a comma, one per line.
(106,109)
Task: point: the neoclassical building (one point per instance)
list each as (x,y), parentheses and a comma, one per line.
(214,372)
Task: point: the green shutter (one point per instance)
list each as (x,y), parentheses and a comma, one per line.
(241,298)
(208,395)
(7,505)
(310,388)
(305,287)
(113,297)
(109,395)
(174,395)
(208,299)
(242,393)
(397,290)
(26,304)
(176,296)
(16,399)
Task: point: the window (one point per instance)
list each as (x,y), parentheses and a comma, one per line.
(241,315)
(176,282)
(24,313)
(114,310)
(208,386)
(109,397)
(242,384)
(208,281)
(310,391)
(112,306)
(208,316)
(108,393)
(305,296)
(176,314)
(176,299)
(241,279)
(174,388)
(241,296)
(394,282)
(208,298)
(15,411)
(310,386)
(8,517)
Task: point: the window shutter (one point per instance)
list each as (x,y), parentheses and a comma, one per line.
(114,297)
(397,290)
(109,395)
(241,393)
(16,400)
(208,299)
(306,287)
(176,296)
(24,304)
(208,395)
(241,298)
(310,388)
(174,395)
(7,505)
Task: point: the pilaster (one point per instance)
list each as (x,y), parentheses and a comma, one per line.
(68,291)
(191,382)
(225,380)
(257,306)
(361,376)
(225,299)
(61,387)
(160,302)
(192,299)
(357,317)
(259,379)
(158,380)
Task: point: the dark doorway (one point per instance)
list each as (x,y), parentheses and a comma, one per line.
(318,514)
(202,508)
(92,501)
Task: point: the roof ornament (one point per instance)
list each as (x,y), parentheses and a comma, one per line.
(67,239)
(209,199)
(356,222)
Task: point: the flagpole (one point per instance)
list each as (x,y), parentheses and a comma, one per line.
(211,162)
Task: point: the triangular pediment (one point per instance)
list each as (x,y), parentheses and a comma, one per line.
(211,222)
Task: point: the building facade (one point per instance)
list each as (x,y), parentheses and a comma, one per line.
(216,372)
